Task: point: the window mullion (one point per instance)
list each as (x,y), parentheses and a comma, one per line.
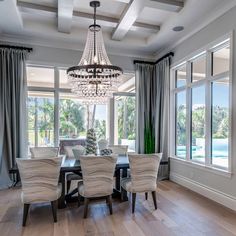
(56,107)
(208,110)
(188,110)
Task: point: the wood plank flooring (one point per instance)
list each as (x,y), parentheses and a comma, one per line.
(180,212)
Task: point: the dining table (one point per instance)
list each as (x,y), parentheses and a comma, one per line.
(73,165)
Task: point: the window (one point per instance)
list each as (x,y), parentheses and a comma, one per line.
(220,122)
(198,124)
(125,121)
(72,117)
(40,77)
(201,105)
(180,76)
(40,119)
(180,135)
(199,68)
(54,113)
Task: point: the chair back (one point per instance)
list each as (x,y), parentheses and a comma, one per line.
(39,177)
(78,152)
(102,144)
(119,149)
(44,152)
(98,175)
(144,170)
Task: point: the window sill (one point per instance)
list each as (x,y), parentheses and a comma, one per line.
(204,167)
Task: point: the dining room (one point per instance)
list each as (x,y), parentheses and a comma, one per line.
(117,117)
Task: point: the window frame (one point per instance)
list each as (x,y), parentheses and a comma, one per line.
(226,40)
(56,90)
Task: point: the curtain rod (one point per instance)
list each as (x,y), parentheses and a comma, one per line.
(16,47)
(153,63)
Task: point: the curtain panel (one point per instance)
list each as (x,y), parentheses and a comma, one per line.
(13,93)
(152,102)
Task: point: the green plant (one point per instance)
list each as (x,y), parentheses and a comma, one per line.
(149,139)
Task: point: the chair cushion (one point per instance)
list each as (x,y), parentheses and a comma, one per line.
(39,195)
(96,193)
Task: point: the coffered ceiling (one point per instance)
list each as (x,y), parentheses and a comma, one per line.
(140,28)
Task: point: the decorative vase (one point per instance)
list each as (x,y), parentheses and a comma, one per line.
(91,142)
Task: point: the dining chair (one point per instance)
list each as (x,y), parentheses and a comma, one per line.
(39,179)
(97,179)
(119,149)
(144,171)
(77,152)
(102,144)
(44,152)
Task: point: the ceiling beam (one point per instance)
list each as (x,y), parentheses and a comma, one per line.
(129,16)
(65,14)
(104,20)
(166,5)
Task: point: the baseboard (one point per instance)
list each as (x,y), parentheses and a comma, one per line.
(213,194)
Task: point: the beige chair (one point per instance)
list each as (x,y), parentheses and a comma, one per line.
(144,170)
(39,179)
(97,179)
(77,152)
(44,152)
(102,144)
(119,149)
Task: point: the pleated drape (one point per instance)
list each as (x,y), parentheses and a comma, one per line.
(13,93)
(152,101)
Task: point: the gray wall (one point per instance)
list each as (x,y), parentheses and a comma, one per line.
(214,30)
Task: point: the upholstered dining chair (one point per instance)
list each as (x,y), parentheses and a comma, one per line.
(39,179)
(77,152)
(44,152)
(102,144)
(144,170)
(97,179)
(119,149)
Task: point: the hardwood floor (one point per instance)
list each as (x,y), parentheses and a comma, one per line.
(180,212)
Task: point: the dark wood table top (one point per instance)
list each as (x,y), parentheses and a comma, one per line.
(69,165)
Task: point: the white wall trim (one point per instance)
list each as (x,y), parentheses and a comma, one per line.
(213,194)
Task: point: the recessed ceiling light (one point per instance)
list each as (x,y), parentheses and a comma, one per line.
(178,28)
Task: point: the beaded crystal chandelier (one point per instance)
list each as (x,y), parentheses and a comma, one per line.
(94,79)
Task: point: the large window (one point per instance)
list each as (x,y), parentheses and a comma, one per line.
(55,114)
(40,118)
(201,107)
(125,116)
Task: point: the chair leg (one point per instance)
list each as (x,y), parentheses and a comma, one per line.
(146,196)
(78,199)
(133,201)
(154,199)
(86,202)
(25,213)
(54,210)
(109,200)
(68,184)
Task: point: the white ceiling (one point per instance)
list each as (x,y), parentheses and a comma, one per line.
(140,28)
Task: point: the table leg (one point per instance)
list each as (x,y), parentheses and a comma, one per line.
(124,196)
(117,174)
(61,200)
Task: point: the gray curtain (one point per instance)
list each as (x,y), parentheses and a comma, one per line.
(152,97)
(13,93)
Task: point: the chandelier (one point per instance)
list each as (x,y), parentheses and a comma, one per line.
(94,79)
